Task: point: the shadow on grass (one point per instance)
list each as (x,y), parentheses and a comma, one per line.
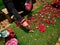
(24,29)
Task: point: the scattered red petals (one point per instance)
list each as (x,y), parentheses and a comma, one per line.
(45,17)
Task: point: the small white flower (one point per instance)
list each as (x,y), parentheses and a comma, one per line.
(55,20)
(35,39)
(47,26)
(48,16)
(42,16)
(22,37)
(31,36)
(36,27)
(59,39)
(44,19)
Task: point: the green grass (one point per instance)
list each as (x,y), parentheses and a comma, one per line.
(1,4)
(37,38)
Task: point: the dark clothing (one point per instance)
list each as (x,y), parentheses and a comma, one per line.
(14,6)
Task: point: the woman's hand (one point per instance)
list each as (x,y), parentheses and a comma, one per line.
(25,24)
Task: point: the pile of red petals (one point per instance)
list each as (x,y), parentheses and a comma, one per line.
(42,27)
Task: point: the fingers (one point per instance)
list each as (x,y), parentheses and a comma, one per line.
(25,24)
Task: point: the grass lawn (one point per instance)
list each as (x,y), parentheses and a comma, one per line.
(1,5)
(37,38)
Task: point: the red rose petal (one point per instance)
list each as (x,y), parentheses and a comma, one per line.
(56,15)
(32,18)
(35,21)
(46,5)
(41,12)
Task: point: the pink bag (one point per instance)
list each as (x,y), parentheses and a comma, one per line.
(28,6)
(12,41)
